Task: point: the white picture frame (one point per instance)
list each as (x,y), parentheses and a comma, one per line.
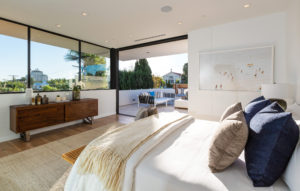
(243,69)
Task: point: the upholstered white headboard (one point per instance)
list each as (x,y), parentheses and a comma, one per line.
(292,173)
(211,104)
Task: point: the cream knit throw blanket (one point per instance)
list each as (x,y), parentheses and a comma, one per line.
(107,155)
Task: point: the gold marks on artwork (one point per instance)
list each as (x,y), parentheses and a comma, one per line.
(221,86)
(250,65)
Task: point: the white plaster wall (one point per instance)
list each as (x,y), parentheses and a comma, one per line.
(265,30)
(293,41)
(127,97)
(106,104)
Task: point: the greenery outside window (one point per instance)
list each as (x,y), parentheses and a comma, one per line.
(51,70)
(95,66)
(54,61)
(13,54)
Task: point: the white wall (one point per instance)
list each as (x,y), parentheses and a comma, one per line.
(266,30)
(106,101)
(127,97)
(293,41)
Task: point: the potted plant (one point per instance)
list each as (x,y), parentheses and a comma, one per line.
(76,90)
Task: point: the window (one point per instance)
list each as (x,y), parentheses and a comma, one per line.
(95,66)
(13,54)
(54,61)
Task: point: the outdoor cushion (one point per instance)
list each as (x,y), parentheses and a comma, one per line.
(152,93)
(228,142)
(254,107)
(272,139)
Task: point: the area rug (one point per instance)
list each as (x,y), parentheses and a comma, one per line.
(39,168)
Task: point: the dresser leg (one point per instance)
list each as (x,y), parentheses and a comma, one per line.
(25,136)
(88,120)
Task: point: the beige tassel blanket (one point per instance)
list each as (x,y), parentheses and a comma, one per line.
(106,156)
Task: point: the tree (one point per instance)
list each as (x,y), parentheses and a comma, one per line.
(125,80)
(48,88)
(169,85)
(87,59)
(157,82)
(139,78)
(184,77)
(143,74)
(60,84)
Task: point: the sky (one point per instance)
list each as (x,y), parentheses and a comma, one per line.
(50,60)
(160,65)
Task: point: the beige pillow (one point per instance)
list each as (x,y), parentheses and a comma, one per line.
(228,142)
(142,113)
(231,109)
(152,111)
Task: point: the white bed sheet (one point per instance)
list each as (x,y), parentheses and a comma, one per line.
(179,163)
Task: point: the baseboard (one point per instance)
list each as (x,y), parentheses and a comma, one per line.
(37,131)
(105,115)
(9,138)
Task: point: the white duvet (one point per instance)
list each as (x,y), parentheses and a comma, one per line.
(175,160)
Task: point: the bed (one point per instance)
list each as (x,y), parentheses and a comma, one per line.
(175,161)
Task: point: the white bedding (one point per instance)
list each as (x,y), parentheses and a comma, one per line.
(178,162)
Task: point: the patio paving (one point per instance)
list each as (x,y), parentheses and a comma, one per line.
(133,109)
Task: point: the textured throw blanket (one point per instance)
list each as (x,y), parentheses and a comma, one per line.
(107,155)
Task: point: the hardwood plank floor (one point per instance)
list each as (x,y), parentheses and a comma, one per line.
(17,145)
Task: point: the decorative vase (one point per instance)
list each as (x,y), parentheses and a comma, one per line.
(76,95)
(28,95)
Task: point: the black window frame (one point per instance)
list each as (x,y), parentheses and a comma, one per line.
(29,27)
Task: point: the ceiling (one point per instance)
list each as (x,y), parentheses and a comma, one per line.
(166,49)
(118,23)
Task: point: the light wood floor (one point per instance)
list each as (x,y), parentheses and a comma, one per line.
(17,145)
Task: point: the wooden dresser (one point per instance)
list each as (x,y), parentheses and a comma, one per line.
(28,117)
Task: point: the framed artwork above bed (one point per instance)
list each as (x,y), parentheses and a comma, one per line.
(237,69)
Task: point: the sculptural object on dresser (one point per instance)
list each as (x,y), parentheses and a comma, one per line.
(76,90)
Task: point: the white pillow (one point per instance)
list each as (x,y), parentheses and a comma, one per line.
(292,172)
(295,110)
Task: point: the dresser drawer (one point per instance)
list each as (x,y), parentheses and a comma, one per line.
(81,110)
(39,117)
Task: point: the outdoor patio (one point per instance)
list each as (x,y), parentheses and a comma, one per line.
(132,109)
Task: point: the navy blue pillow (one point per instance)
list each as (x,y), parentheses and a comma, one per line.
(258,99)
(273,137)
(254,107)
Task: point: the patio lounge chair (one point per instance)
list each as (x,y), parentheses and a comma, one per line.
(151,98)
